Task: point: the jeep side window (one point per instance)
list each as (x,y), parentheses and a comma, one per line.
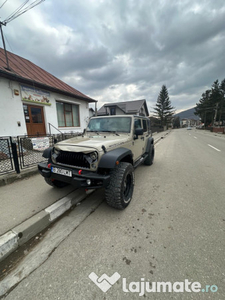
(137,123)
(145,127)
(149,126)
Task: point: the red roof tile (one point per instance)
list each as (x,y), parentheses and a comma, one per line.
(28,71)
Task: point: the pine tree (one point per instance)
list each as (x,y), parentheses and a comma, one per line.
(163,109)
(204,109)
(211,106)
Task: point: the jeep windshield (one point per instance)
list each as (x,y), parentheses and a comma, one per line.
(110,124)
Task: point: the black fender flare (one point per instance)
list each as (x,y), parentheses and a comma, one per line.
(108,160)
(150,143)
(47,152)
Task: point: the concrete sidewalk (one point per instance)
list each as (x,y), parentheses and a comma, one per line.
(29,205)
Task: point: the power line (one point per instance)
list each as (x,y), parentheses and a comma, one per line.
(20,7)
(3,4)
(19,11)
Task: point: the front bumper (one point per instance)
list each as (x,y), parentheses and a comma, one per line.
(77,180)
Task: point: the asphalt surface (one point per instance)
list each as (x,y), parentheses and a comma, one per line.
(172,230)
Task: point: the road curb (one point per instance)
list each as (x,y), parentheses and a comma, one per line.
(161,137)
(10,178)
(20,234)
(157,140)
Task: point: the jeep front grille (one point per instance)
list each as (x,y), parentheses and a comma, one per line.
(73,159)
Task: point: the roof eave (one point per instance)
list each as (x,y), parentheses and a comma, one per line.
(41,85)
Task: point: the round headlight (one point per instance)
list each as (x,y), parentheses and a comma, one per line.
(94,156)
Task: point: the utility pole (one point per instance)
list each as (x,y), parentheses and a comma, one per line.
(217,104)
(221,110)
(18,12)
(3,41)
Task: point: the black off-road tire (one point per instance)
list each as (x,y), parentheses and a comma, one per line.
(55,183)
(120,189)
(150,158)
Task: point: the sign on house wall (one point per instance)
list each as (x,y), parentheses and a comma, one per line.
(31,94)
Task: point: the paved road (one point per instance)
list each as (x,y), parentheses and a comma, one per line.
(215,141)
(173,230)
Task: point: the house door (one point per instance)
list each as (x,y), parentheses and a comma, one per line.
(34,118)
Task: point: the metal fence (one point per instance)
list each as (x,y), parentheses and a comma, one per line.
(6,157)
(17,153)
(30,149)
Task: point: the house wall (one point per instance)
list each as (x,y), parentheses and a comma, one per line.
(83,110)
(119,111)
(91,113)
(11,111)
(143,111)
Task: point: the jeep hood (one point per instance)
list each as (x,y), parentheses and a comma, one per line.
(88,144)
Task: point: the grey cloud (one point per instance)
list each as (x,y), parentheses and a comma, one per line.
(111,45)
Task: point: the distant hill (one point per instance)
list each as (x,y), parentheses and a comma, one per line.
(188,114)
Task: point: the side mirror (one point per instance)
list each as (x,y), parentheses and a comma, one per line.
(138,131)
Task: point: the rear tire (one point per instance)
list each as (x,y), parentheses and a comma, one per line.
(120,189)
(55,183)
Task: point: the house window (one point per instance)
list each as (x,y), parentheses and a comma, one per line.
(149,126)
(67,114)
(112,110)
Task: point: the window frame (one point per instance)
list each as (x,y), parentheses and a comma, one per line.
(112,111)
(146,130)
(139,121)
(145,127)
(70,111)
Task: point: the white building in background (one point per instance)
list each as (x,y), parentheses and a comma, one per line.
(32,101)
(130,107)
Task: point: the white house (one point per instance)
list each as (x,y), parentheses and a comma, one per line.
(131,107)
(33,101)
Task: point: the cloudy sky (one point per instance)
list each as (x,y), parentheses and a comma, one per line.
(118,50)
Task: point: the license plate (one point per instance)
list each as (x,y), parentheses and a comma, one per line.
(61,171)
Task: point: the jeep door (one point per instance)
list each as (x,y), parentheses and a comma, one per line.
(139,143)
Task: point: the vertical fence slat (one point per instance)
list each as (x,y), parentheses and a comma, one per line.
(15,155)
(6,160)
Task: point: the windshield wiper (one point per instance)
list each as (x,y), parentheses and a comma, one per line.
(111,131)
(93,131)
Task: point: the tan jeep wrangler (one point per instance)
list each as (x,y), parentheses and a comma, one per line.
(104,156)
